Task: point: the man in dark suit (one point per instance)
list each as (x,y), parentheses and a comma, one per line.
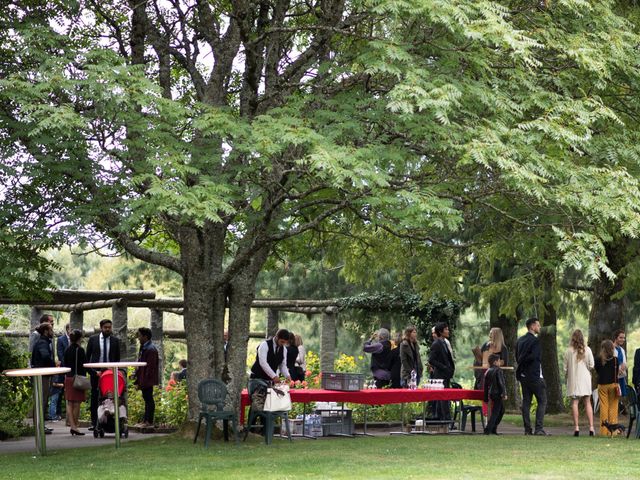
(529,374)
(147,376)
(42,357)
(102,347)
(442,367)
(636,370)
(62,344)
(55,399)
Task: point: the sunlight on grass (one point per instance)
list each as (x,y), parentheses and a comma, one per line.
(465,456)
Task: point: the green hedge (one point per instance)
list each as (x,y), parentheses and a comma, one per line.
(15,393)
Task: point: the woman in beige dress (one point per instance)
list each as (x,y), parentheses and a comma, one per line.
(578,363)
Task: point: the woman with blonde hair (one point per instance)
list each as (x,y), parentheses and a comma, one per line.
(578,363)
(495,345)
(607,367)
(301,360)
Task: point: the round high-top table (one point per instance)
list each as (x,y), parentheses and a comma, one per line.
(37,374)
(114,366)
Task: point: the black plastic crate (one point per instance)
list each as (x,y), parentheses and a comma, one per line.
(336,422)
(342,381)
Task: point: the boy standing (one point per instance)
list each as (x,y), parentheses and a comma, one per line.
(495,389)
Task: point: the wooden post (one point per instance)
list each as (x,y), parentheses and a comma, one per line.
(158,339)
(76,320)
(120,320)
(272,322)
(328,340)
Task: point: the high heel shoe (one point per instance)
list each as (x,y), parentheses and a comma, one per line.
(76,432)
(591,433)
(576,433)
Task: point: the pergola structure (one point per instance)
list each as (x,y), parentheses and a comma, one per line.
(76,302)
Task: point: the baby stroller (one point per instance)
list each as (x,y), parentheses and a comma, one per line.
(106,407)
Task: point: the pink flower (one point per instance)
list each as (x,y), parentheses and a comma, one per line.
(297,382)
(307,373)
(304,383)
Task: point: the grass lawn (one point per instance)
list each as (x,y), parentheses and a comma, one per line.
(463,456)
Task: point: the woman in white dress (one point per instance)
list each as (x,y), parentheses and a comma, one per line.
(578,363)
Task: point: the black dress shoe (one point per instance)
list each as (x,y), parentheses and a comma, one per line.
(91,428)
(576,433)
(48,431)
(541,433)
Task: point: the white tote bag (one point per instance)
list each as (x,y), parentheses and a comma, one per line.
(278,399)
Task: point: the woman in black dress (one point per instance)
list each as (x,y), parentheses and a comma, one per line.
(74,358)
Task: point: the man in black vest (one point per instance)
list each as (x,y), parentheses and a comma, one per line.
(102,347)
(271,356)
(529,374)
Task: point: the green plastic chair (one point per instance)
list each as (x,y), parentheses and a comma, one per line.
(268,418)
(632,409)
(212,394)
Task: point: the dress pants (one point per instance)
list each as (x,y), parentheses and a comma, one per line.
(497,411)
(149,404)
(608,405)
(530,388)
(441,409)
(46,387)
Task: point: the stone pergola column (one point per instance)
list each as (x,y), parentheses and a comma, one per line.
(119,318)
(76,320)
(273,317)
(328,339)
(36,313)
(157,332)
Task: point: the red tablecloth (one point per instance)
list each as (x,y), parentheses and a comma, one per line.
(373,396)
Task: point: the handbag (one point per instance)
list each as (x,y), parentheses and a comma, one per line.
(618,389)
(278,399)
(80,382)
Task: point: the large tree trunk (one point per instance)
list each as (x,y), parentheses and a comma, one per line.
(608,313)
(240,294)
(550,368)
(204,310)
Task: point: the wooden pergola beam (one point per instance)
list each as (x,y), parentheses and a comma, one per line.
(173,334)
(76,307)
(57,297)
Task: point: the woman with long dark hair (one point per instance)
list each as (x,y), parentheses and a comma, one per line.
(410,357)
(74,358)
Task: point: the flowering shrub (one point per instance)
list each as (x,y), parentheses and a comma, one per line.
(350,364)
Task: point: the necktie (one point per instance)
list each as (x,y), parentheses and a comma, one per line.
(104,349)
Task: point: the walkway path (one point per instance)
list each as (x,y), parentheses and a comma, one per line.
(61,438)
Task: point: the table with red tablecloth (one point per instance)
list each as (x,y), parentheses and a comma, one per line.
(373,396)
